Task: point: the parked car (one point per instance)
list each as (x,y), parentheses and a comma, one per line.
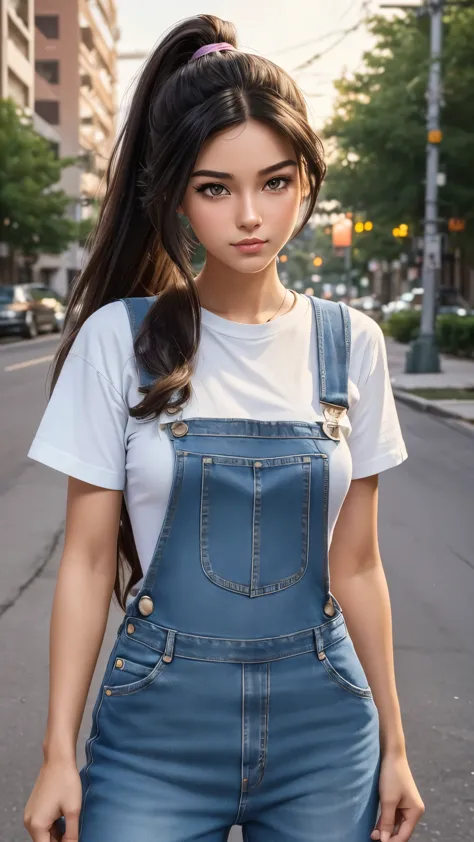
(369,304)
(448,301)
(27,310)
(52,299)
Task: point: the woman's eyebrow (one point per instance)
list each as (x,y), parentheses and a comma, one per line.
(266,171)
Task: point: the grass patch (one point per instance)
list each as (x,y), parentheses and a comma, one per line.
(444,394)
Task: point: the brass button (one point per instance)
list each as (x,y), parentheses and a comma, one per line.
(329,608)
(119,663)
(130,628)
(145,606)
(257,464)
(321,656)
(179,428)
(108,692)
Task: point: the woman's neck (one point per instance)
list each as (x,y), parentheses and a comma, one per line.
(246,298)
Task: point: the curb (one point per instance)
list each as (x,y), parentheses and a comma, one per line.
(424,405)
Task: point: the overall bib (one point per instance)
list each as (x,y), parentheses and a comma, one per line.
(233,693)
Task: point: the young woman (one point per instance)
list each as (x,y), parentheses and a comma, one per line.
(245,426)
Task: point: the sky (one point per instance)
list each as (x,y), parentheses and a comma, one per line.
(288,32)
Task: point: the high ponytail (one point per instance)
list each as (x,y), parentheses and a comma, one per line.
(139,246)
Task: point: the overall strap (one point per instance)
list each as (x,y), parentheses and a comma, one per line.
(333,335)
(137,309)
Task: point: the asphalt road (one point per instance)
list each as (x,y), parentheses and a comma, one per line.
(426,530)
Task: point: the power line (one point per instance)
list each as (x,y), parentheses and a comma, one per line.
(344,35)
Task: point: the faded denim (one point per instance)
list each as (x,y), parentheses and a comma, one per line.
(240,698)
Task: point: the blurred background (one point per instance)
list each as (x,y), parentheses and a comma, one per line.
(389,88)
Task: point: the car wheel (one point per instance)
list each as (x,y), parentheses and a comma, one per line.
(31,328)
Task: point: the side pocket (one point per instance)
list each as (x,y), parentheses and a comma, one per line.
(125,689)
(342,664)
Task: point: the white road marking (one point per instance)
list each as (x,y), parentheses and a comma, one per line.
(27,363)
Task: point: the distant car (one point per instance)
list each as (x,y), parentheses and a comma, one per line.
(448,301)
(27,310)
(51,299)
(451,301)
(369,304)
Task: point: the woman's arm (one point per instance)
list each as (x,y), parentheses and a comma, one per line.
(80,609)
(78,621)
(359,584)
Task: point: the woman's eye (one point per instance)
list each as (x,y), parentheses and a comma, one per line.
(211,186)
(205,187)
(280,178)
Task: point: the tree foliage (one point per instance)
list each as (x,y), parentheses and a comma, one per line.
(32,208)
(377,134)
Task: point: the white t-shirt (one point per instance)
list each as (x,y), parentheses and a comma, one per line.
(262,371)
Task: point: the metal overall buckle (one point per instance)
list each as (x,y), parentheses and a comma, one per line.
(332,416)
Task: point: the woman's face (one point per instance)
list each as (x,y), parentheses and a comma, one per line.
(236,200)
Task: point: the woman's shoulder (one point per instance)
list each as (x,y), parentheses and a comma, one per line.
(105,340)
(365,331)
(367,341)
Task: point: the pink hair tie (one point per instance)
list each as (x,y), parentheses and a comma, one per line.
(211,48)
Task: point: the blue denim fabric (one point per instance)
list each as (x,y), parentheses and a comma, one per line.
(239,699)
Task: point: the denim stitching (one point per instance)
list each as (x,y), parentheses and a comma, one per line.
(135,686)
(243,772)
(329,627)
(167,524)
(325,526)
(96,729)
(256,533)
(360,692)
(320,346)
(237,587)
(86,771)
(264,730)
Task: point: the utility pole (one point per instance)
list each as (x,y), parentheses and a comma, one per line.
(423,354)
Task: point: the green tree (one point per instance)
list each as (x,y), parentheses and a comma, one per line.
(377,134)
(32,208)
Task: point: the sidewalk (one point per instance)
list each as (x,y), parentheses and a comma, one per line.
(455,374)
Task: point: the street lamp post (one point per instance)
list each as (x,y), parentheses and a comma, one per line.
(423,354)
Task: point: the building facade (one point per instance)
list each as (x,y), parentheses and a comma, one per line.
(75,94)
(17,48)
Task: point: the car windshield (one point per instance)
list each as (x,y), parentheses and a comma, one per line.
(452,298)
(6,295)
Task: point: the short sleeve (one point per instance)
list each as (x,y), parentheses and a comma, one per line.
(83,430)
(376,442)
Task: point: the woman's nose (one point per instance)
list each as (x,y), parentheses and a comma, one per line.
(249,213)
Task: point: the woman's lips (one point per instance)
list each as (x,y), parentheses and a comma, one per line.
(250,248)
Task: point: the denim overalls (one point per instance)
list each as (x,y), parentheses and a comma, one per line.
(233,693)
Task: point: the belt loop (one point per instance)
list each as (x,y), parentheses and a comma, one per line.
(169,648)
(318,639)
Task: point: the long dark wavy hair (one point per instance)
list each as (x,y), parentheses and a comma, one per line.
(139,246)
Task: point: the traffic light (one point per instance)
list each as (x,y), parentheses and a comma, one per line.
(400,231)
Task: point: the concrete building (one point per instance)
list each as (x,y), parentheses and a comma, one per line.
(75,94)
(17,44)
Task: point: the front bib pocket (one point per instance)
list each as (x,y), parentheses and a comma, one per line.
(254,520)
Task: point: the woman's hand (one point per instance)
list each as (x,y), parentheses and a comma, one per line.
(400,801)
(57,792)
